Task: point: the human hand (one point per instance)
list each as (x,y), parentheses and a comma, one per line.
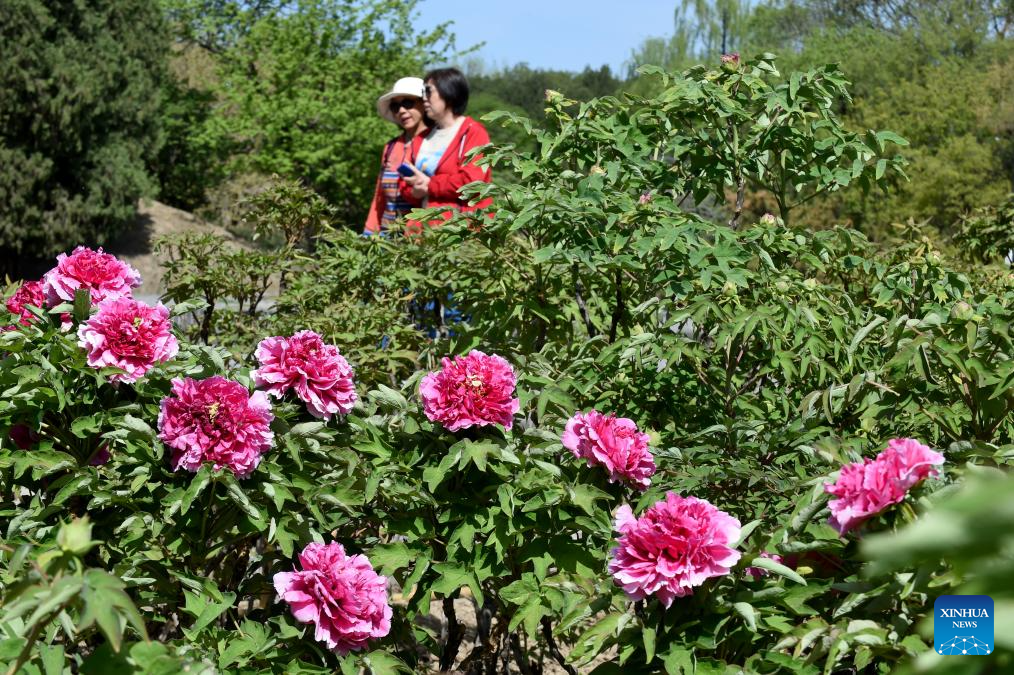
(419,182)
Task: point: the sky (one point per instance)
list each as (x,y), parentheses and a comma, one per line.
(557,34)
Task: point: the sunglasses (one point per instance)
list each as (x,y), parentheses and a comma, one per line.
(407,103)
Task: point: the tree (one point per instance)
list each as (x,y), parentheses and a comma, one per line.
(703,30)
(296,85)
(936,71)
(525,87)
(78,120)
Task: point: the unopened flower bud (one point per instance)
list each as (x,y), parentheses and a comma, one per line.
(768,220)
(645,197)
(962,311)
(76,536)
(553,95)
(596,170)
(810,284)
(730,62)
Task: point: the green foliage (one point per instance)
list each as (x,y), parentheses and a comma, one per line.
(970,528)
(929,70)
(703,30)
(295,86)
(79,103)
(759,355)
(196,551)
(192,159)
(524,87)
(987,234)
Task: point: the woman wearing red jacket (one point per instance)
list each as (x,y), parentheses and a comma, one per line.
(442,164)
(403,105)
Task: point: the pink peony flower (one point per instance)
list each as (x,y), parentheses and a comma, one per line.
(758,572)
(319,374)
(612,442)
(678,543)
(104,275)
(29,293)
(866,488)
(130,335)
(341,595)
(472,390)
(215,420)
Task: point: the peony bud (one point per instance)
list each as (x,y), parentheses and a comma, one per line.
(768,220)
(76,536)
(645,197)
(730,62)
(962,311)
(810,284)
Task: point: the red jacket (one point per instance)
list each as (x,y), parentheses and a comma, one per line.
(454,171)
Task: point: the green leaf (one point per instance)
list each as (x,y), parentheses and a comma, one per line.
(779,569)
(196,487)
(745,532)
(209,611)
(240,498)
(453,577)
(585,496)
(61,592)
(529,615)
(648,637)
(388,398)
(892,137)
(307,428)
(87,425)
(11,647)
(382,663)
(435,475)
(390,558)
(138,426)
(82,305)
(749,614)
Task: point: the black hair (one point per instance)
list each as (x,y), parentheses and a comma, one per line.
(453,87)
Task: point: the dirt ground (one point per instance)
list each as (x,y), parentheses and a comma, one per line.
(464,608)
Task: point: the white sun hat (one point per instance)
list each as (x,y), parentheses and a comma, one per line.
(406,86)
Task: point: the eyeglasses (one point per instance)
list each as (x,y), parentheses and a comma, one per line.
(406,103)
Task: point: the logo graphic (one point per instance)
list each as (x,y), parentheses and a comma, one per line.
(963,625)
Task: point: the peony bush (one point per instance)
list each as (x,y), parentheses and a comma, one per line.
(767,419)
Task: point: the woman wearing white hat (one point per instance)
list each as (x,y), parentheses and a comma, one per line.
(403,105)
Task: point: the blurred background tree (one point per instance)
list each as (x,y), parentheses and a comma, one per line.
(936,71)
(202,102)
